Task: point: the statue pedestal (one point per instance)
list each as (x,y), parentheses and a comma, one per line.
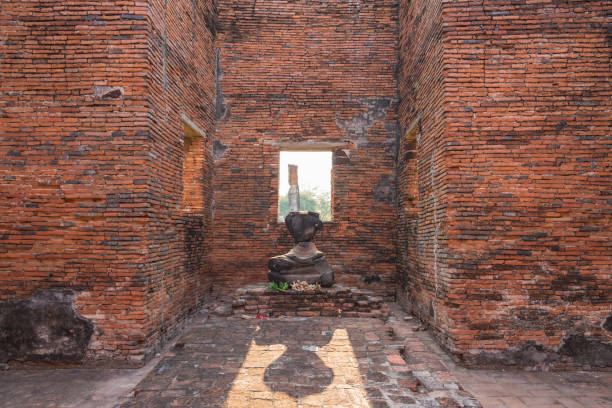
(337,301)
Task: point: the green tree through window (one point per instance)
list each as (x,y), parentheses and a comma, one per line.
(309,201)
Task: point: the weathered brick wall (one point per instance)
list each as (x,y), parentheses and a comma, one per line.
(316,73)
(88,176)
(529,100)
(526,113)
(504,201)
(422,192)
(182,86)
(72,162)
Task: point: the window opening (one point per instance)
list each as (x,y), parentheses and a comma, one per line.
(305,183)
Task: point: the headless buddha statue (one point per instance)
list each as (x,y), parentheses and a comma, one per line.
(304,262)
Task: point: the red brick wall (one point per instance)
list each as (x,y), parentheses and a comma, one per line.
(88,142)
(182,86)
(526,113)
(529,101)
(294,73)
(72,162)
(422,192)
(504,201)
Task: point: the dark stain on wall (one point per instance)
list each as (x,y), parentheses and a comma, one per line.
(218,149)
(576,349)
(384,192)
(607,324)
(587,350)
(220,108)
(357,127)
(527,355)
(44,327)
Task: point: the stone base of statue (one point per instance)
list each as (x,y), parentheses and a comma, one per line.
(304,262)
(337,301)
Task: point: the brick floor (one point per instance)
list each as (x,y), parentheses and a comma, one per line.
(292,362)
(68,388)
(303,362)
(508,388)
(514,389)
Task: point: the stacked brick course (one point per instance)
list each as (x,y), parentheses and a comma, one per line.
(90,130)
(524,258)
(337,301)
(314,74)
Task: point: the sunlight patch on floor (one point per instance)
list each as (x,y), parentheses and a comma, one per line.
(346,390)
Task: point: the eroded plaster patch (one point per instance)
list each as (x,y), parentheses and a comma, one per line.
(44,327)
(357,127)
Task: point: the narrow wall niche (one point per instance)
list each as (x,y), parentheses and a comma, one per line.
(193,169)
